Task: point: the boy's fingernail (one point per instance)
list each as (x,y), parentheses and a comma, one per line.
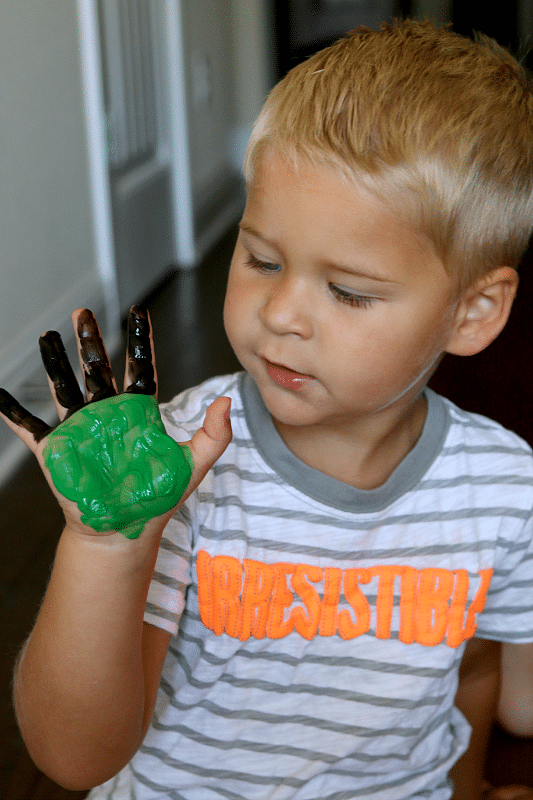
(228,410)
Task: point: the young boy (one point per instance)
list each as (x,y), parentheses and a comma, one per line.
(313,595)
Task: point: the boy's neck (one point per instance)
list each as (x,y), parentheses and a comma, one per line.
(361,457)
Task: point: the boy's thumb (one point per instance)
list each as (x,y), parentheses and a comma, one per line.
(210,441)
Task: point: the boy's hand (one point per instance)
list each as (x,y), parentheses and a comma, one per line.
(109,461)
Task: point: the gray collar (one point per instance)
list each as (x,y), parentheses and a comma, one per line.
(328,490)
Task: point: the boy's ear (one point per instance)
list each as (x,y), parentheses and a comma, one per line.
(482,312)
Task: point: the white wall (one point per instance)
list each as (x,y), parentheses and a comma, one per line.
(46,243)
(253,67)
(47,254)
(229,70)
(207,44)
(225,63)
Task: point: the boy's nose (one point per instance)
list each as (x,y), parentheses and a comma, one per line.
(288,309)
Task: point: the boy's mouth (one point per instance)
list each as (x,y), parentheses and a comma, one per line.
(286,377)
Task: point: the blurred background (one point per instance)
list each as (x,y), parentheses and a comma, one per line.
(123,125)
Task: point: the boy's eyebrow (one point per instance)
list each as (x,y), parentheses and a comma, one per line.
(248,229)
(363,272)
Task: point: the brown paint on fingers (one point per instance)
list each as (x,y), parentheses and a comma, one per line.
(140,358)
(97,369)
(60,372)
(12,409)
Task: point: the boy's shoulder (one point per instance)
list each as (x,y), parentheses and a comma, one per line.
(478,436)
(479,425)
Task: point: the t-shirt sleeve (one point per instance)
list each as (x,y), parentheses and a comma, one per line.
(508,613)
(171,577)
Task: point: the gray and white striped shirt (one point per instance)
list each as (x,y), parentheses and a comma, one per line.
(318,628)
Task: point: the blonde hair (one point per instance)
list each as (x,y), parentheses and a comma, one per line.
(436,126)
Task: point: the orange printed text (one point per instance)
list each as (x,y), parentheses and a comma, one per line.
(251,598)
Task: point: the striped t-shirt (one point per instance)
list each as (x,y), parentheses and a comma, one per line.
(317,628)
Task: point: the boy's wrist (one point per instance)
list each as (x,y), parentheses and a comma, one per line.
(114,542)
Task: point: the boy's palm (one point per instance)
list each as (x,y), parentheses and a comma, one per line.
(109,461)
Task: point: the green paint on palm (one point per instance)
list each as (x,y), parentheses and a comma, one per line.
(115,460)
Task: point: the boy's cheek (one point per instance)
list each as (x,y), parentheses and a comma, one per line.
(238,317)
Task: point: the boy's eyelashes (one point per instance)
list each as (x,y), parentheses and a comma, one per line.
(263,266)
(356,300)
(340,294)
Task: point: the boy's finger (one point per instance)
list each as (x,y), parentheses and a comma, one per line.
(140,377)
(29,428)
(65,388)
(208,443)
(94,361)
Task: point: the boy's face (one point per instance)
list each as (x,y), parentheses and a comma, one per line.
(337,310)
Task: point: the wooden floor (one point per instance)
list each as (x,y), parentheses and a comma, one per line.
(191,346)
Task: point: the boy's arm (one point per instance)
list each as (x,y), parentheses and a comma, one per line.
(155,642)
(87,678)
(515,706)
(476,699)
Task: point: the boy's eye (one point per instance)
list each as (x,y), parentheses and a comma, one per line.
(342,295)
(356,300)
(262,266)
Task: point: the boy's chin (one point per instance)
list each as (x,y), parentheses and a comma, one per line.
(287,407)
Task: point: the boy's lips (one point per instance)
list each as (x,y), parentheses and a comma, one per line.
(286,377)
